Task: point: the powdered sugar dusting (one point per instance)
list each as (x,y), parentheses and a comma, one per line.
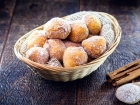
(93,23)
(74,56)
(38,54)
(46,45)
(56,48)
(80,59)
(128,93)
(78,23)
(40,32)
(107,33)
(95,46)
(36,39)
(57,28)
(79,31)
(36,33)
(53,62)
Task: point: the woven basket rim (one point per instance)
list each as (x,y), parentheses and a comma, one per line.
(116,41)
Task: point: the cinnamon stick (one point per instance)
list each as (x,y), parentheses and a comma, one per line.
(130,76)
(124,74)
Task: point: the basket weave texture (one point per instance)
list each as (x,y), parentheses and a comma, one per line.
(112,35)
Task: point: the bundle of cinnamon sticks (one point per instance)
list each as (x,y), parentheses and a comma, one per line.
(124,74)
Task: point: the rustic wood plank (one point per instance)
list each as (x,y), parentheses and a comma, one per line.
(6,13)
(94,90)
(18,84)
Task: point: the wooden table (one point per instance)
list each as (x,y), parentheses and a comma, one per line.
(20,86)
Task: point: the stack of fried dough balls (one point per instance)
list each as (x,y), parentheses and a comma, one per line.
(69,43)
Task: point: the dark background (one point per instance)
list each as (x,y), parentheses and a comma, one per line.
(20,86)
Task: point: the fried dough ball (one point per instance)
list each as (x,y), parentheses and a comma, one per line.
(36,39)
(74,56)
(79,31)
(56,49)
(69,43)
(38,54)
(95,46)
(93,24)
(57,28)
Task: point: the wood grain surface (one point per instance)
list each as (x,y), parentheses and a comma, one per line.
(6,14)
(20,86)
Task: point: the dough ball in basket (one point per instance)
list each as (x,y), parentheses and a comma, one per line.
(95,46)
(36,39)
(38,54)
(79,31)
(56,49)
(74,56)
(93,23)
(57,28)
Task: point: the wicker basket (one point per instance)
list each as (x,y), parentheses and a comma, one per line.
(71,73)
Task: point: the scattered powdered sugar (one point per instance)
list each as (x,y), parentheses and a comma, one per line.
(128,93)
(107,33)
(23,47)
(53,62)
